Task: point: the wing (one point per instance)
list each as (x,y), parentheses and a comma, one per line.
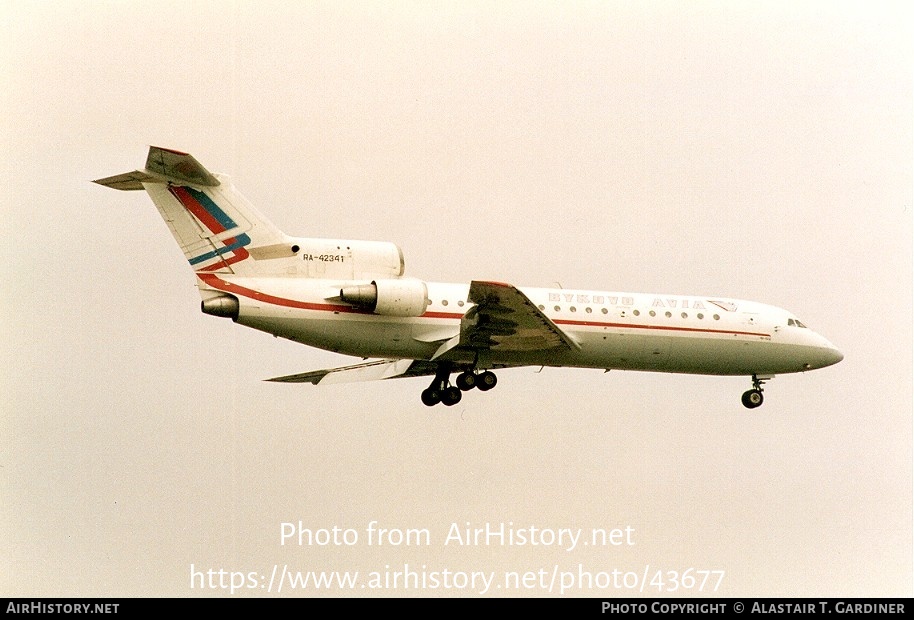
(504,319)
(369,371)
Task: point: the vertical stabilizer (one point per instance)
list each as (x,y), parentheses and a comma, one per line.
(215,226)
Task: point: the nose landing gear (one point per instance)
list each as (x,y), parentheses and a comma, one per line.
(753,398)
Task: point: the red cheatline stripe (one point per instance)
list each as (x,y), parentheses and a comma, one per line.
(660,327)
(441,315)
(218,283)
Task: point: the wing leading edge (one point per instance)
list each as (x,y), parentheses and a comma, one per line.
(369,371)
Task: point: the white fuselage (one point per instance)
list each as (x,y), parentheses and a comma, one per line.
(664,333)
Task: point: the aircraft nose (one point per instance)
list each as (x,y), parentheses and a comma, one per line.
(833,356)
(828,354)
(822,353)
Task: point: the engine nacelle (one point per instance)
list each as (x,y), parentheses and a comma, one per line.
(401,297)
(221,305)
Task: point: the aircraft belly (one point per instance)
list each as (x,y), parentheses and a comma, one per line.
(622,350)
(724,354)
(737,356)
(358,335)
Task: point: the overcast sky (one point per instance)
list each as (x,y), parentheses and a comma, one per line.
(751,150)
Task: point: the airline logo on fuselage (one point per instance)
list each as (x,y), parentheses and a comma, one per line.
(683,303)
(592,299)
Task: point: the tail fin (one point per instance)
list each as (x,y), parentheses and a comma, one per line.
(214,225)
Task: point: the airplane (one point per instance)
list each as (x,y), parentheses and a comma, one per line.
(353,297)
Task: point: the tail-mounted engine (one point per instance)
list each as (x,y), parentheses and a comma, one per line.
(401,297)
(222,305)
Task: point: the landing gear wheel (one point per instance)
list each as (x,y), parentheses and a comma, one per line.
(435,392)
(486,380)
(451,396)
(753,399)
(466,381)
(431,397)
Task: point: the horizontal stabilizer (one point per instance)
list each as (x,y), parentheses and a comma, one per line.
(129,181)
(163,165)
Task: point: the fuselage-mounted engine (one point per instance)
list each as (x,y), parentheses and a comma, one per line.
(395,297)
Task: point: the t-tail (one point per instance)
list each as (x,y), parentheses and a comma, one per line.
(216,227)
(224,238)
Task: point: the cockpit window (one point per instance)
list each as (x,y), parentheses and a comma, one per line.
(795,323)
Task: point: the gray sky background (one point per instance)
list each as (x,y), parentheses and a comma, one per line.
(757,151)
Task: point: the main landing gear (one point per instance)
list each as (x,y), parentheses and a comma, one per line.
(753,398)
(441,391)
